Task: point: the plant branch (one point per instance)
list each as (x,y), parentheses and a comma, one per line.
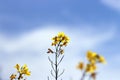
(52,74)
(84,73)
(61,60)
(61,73)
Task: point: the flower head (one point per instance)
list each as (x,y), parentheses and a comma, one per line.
(23,70)
(60,39)
(95,58)
(91,56)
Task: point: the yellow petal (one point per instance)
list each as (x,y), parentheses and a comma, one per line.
(102,59)
(28,73)
(17,67)
(91,56)
(61,34)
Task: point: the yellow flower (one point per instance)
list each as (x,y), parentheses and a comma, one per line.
(13,76)
(101,59)
(28,73)
(56,38)
(65,39)
(60,39)
(17,67)
(91,56)
(93,61)
(80,66)
(24,66)
(23,70)
(90,68)
(61,34)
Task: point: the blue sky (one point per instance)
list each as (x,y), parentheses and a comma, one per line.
(26,27)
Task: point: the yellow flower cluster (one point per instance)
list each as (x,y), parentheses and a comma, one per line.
(23,70)
(93,58)
(60,39)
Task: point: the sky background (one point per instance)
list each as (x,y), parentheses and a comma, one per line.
(27,26)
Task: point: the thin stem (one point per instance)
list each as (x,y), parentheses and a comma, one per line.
(56,72)
(20,75)
(84,73)
(56,61)
(48,78)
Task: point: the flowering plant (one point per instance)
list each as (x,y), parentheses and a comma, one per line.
(59,41)
(93,59)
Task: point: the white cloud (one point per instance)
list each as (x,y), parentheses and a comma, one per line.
(115,4)
(39,40)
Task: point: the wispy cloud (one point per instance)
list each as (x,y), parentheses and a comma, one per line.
(115,4)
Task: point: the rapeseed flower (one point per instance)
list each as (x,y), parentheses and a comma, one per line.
(90,68)
(17,66)
(21,72)
(93,58)
(61,39)
(59,42)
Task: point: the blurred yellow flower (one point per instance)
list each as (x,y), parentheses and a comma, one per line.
(90,68)
(13,76)
(91,55)
(101,59)
(94,57)
(80,66)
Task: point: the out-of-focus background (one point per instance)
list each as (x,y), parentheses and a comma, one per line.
(27,26)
